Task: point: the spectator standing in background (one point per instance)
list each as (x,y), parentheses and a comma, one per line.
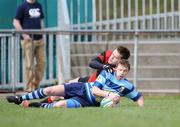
(29,15)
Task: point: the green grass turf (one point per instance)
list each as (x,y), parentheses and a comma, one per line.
(159,111)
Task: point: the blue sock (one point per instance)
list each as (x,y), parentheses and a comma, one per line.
(37,94)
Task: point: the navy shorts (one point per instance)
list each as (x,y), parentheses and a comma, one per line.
(76,91)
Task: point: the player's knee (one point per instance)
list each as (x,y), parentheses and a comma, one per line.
(56,98)
(60,104)
(72,103)
(48,91)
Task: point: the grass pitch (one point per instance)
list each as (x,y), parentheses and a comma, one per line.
(159,111)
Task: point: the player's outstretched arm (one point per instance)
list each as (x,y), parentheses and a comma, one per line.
(98,92)
(96,64)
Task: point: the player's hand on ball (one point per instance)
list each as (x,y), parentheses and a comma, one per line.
(114,97)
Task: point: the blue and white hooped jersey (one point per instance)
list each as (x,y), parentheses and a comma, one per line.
(108,82)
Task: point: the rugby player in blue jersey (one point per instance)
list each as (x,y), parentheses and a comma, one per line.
(107,85)
(104,61)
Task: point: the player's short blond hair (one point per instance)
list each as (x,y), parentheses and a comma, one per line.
(125,63)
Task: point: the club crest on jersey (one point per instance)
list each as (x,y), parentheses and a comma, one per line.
(34,13)
(108,83)
(121,89)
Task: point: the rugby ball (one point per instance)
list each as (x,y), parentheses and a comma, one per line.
(106,102)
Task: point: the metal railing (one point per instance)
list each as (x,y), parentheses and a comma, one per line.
(11,62)
(124,15)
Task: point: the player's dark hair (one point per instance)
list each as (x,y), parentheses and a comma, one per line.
(125,63)
(124,52)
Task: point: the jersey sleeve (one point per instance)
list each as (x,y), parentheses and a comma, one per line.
(19,13)
(98,62)
(42,14)
(101,57)
(101,79)
(134,95)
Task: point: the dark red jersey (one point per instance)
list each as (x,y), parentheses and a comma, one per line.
(102,58)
